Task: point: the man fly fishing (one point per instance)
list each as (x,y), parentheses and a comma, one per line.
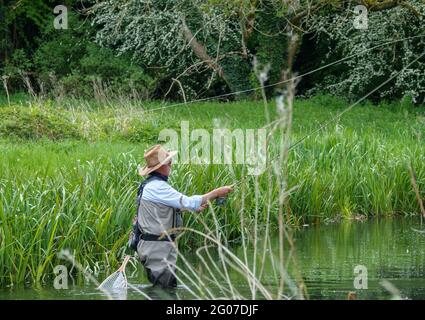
(158,213)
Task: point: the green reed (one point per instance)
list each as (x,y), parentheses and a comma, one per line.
(79,194)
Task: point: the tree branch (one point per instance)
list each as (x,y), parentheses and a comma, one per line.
(200,51)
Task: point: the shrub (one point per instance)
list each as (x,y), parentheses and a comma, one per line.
(35,123)
(142,132)
(70,60)
(18,65)
(120,75)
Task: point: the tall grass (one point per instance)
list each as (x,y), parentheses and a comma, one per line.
(80,193)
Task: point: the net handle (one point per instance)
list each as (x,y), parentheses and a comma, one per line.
(124,264)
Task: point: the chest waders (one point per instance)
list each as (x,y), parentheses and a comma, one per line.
(156,251)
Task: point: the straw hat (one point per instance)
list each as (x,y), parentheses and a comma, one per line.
(155,157)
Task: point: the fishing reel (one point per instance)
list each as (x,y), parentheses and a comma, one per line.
(220,201)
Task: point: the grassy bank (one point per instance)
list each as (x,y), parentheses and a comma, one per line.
(68,172)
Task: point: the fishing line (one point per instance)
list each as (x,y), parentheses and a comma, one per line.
(327,122)
(324,124)
(283,81)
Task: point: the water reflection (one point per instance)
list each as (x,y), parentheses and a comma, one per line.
(389,248)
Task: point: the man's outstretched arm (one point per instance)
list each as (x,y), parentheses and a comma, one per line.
(216,193)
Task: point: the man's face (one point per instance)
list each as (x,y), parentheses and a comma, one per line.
(167,168)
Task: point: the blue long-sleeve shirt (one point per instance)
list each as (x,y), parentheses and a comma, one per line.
(161,192)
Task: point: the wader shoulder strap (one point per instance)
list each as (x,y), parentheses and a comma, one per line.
(152,177)
(174,218)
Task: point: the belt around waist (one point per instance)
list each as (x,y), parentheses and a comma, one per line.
(155,237)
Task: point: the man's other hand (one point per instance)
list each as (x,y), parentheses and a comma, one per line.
(202,207)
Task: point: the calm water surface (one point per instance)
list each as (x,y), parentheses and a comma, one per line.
(392,249)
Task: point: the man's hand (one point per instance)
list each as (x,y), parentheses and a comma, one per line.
(223,191)
(216,193)
(202,207)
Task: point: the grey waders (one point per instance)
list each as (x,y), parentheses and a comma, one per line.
(158,256)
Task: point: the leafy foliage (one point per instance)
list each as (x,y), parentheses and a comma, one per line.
(187,49)
(68,62)
(400,38)
(152,32)
(35,123)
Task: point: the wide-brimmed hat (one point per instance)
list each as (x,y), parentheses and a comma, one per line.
(155,157)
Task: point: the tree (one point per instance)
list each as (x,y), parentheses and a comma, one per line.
(396,27)
(199,42)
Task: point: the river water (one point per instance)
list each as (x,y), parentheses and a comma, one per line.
(391,249)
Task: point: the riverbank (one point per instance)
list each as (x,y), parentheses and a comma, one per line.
(68,173)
